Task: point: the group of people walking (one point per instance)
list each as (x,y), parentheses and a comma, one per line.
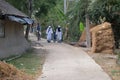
(51,34)
(55,35)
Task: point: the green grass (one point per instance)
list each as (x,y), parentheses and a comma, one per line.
(30,62)
(115,72)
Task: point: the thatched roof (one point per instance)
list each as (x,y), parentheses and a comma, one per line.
(7,9)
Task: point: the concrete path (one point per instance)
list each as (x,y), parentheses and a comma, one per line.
(65,62)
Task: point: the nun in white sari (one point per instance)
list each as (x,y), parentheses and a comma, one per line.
(59,34)
(49,33)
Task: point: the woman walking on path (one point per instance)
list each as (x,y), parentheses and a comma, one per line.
(49,33)
(59,34)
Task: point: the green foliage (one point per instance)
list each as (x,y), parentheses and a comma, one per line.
(40,7)
(43,7)
(21,5)
(115,72)
(104,8)
(76,14)
(81,27)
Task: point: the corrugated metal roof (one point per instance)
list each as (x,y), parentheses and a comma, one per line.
(6,8)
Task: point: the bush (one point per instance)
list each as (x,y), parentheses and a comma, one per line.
(118,60)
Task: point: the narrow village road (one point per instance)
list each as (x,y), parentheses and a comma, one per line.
(65,62)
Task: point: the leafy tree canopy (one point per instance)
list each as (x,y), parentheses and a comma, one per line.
(40,7)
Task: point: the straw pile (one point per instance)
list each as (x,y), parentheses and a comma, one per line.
(83,36)
(102,38)
(9,72)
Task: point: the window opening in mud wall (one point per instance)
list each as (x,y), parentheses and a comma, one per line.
(2,30)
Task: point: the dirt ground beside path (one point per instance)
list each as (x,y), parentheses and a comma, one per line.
(108,63)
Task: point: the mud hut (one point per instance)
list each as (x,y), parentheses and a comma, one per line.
(12,41)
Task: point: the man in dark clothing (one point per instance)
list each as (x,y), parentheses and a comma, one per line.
(54,35)
(38,32)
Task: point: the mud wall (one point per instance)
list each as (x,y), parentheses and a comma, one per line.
(14,42)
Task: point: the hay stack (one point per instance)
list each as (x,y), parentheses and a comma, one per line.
(83,36)
(102,38)
(9,72)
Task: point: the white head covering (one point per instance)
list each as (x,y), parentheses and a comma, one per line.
(49,26)
(59,26)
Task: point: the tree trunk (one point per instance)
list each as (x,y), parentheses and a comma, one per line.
(30,14)
(66,32)
(65,6)
(27,32)
(88,32)
(87,26)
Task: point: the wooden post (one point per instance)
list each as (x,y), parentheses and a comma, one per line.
(88,38)
(65,6)
(30,2)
